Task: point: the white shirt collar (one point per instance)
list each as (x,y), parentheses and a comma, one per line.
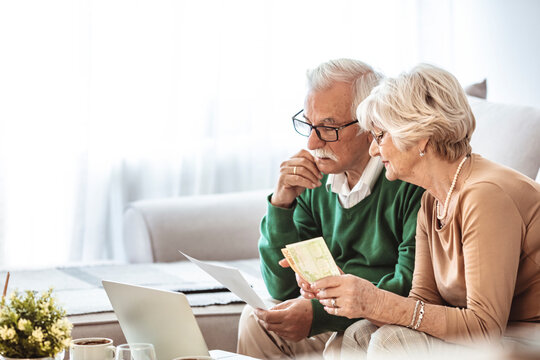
(348,198)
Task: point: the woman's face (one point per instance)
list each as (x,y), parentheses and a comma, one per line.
(398,164)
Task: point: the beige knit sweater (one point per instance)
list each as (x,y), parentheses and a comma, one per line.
(484,264)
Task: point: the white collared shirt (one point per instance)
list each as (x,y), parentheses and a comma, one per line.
(348,198)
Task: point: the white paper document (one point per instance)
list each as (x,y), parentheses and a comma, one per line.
(232,279)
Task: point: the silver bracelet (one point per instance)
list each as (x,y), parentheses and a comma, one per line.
(414,314)
(420,316)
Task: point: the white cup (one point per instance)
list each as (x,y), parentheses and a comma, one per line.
(96,348)
(196,357)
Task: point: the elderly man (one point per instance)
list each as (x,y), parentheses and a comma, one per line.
(334,190)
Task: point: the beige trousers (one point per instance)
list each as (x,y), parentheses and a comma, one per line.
(254,340)
(363,340)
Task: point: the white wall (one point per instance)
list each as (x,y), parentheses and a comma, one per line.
(498,40)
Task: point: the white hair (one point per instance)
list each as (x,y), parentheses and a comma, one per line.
(426,102)
(360,75)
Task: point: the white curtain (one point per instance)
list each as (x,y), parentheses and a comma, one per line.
(103,102)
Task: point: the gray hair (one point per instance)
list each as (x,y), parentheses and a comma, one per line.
(426,102)
(360,75)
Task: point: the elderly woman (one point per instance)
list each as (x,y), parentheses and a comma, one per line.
(478,232)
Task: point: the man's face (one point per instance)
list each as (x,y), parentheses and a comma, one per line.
(332,107)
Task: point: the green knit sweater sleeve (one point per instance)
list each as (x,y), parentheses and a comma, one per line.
(280,227)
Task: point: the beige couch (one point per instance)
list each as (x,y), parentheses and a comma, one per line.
(210,227)
(225,227)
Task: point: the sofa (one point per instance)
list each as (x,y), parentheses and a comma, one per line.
(225,227)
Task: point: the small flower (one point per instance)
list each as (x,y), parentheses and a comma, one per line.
(24,324)
(66,325)
(7,333)
(46,346)
(37,335)
(62,324)
(58,329)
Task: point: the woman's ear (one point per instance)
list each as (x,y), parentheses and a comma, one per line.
(422,145)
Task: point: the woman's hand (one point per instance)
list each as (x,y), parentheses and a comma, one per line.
(346,295)
(305,287)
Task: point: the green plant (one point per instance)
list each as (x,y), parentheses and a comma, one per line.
(33,326)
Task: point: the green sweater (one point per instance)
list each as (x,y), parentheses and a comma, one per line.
(374,240)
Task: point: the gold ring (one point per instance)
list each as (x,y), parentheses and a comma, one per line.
(334,303)
(294,170)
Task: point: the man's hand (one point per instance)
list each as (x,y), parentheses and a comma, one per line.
(291,319)
(305,287)
(295,175)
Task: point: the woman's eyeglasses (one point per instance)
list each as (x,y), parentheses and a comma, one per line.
(378,137)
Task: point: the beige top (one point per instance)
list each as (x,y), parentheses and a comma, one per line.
(484,264)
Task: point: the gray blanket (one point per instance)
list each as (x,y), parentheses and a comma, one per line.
(79,288)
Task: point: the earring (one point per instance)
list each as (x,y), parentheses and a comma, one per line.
(422,153)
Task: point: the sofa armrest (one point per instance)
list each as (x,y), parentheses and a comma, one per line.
(208,227)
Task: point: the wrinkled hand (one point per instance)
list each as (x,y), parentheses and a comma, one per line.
(295,175)
(353,296)
(291,319)
(305,287)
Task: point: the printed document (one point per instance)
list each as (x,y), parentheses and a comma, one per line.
(232,279)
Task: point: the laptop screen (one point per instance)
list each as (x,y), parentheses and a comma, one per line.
(163,318)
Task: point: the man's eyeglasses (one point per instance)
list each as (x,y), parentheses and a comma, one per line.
(325,133)
(377,137)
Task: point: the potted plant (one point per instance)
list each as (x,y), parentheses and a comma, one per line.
(33,326)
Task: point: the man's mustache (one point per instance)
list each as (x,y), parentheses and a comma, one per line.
(324,153)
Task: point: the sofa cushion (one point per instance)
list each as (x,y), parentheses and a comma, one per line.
(507,134)
(207,227)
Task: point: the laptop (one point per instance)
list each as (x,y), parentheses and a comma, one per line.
(160,317)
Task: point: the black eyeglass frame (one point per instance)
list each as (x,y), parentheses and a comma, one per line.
(317,127)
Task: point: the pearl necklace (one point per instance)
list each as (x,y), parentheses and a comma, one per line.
(445,208)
